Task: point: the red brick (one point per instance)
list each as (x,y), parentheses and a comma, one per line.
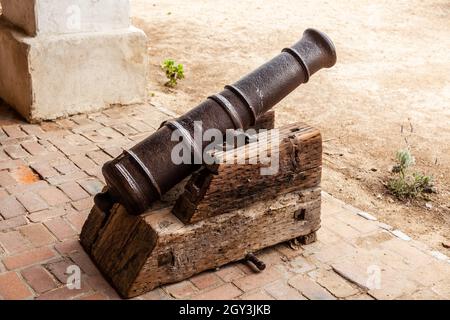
(3,156)
(206,280)
(10,208)
(92,186)
(68,246)
(225,292)
(181,290)
(257,280)
(85,124)
(256,295)
(362,296)
(77,219)
(393,284)
(39,279)
(14,131)
(70,150)
(64,178)
(356,222)
(95,137)
(33,130)
(125,129)
(310,289)
(327,236)
(65,123)
(75,140)
(156,294)
(271,257)
(289,252)
(32,202)
(85,204)
(6,179)
(334,252)
(302,265)
(14,242)
(82,260)
(331,206)
(37,234)
(99,284)
(47,214)
(113,151)
(338,286)
(53,196)
(247,267)
(412,255)
(94,296)
(24,175)
(230,273)
(34,148)
(11,164)
(139,126)
(64,293)
(53,155)
(138,137)
(59,269)
(44,169)
(3,193)
(66,167)
(99,157)
(110,133)
(73,191)
(13,288)
(28,258)
(16,152)
(345,230)
(60,228)
(30,187)
(280,290)
(12,223)
(84,163)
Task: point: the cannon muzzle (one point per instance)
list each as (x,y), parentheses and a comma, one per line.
(144,173)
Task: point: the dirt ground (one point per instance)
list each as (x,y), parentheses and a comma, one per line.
(391,85)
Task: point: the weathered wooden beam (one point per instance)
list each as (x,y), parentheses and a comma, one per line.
(139,253)
(237,180)
(240,212)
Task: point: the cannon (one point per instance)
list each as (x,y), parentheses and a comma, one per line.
(141,175)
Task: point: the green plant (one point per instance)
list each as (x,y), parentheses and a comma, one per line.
(174,72)
(406,184)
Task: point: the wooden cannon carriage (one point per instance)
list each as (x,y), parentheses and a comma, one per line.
(223,213)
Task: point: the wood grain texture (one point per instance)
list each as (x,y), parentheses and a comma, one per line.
(241,213)
(185,250)
(237,180)
(91,228)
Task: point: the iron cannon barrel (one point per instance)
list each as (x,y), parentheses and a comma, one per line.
(144,173)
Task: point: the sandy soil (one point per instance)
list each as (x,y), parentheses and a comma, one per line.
(393,73)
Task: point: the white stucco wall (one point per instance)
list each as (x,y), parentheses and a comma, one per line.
(50,77)
(75,56)
(67,16)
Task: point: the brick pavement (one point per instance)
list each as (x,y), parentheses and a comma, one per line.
(50,172)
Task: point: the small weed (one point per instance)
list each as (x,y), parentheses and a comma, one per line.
(174,72)
(407,185)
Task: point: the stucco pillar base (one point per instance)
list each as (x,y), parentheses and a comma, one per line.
(50,76)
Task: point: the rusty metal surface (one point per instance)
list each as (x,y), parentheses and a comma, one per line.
(141,175)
